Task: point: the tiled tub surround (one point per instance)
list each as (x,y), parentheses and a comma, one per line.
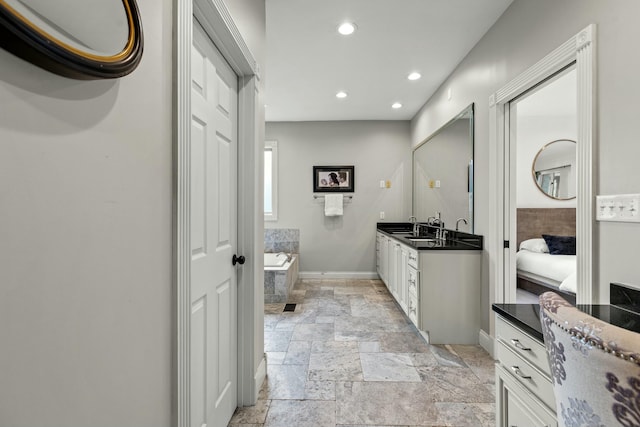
(282,240)
(279,281)
(347,356)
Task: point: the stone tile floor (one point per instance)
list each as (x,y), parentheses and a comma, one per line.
(347,356)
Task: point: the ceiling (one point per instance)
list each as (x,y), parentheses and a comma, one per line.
(308,61)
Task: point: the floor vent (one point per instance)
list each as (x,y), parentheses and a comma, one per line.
(289,307)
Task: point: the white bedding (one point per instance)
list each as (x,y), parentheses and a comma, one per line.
(559,268)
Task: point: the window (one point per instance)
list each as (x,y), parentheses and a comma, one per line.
(271,180)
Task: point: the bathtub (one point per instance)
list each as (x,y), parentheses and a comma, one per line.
(279,277)
(275,260)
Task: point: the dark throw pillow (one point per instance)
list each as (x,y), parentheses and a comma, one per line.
(560,245)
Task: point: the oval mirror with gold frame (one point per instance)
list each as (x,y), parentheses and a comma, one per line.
(554,169)
(80,39)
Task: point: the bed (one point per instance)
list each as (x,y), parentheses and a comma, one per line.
(537,268)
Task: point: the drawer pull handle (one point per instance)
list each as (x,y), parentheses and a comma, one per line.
(516,370)
(517,344)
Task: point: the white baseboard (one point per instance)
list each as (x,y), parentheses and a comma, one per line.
(261,375)
(487,342)
(338,275)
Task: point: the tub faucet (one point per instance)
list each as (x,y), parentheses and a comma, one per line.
(289,256)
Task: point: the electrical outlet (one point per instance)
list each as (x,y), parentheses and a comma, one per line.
(382,184)
(437,183)
(618,208)
(381,215)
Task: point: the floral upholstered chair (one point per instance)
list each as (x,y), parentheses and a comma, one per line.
(595,367)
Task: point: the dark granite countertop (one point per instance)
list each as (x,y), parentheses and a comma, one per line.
(527,316)
(456,240)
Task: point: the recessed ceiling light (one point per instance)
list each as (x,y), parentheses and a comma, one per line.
(346,28)
(341,94)
(414,76)
(396,105)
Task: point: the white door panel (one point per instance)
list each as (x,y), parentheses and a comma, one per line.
(213,235)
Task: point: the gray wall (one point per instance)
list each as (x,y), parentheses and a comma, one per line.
(85,240)
(85,258)
(379,150)
(526,32)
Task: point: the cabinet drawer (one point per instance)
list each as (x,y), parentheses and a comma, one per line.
(413,258)
(517,407)
(412,308)
(526,346)
(527,375)
(412,281)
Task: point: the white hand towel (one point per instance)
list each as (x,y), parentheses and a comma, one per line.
(333,204)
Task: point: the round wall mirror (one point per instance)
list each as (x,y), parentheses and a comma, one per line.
(554,169)
(82,39)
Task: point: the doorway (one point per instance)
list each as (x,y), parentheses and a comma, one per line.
(541,181)
(214,176)
(579,49)
(192,395)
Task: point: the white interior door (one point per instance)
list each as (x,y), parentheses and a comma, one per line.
(214,124)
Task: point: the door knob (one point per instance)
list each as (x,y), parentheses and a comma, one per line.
(237,259)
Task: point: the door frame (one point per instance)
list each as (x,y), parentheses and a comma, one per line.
(219,26)
(579,49)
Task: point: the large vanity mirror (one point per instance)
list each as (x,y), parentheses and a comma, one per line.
(554,169)
(443,174)
(105,43)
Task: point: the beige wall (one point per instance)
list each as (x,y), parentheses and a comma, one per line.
(526,32)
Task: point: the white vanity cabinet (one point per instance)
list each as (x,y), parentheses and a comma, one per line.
(438,289)
(449,295)
(403,284)
(382,256)
(396,264)
(524,391)
(413,287)
(394,267)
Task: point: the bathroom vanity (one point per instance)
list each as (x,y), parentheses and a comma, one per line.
(524,388)
(436,282)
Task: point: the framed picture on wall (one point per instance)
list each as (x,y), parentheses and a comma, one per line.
(333,179)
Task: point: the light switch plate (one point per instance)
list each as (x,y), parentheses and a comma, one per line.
(618,208)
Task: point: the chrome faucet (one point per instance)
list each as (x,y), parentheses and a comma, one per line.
(458,222)
(441,233)
(416,227)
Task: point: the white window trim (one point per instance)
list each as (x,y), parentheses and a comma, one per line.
(273,147)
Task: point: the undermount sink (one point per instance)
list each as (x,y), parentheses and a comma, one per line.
(421,239)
